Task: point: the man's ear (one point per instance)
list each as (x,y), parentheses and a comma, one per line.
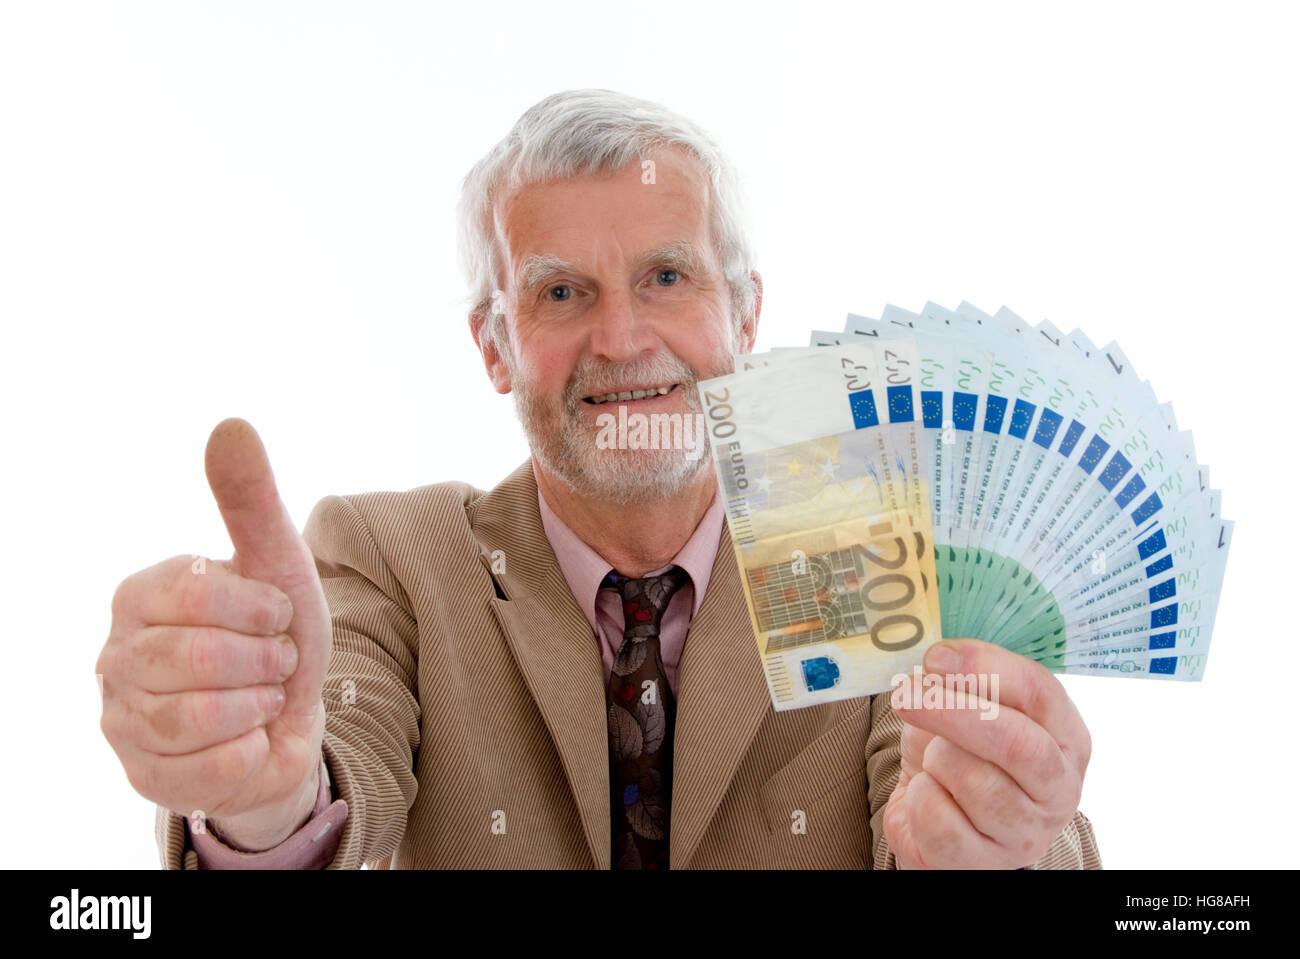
(496,367)
(749,324)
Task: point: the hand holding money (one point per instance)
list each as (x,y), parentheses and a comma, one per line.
(956,473)
(984,788)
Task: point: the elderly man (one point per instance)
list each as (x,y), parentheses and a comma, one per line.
(559,672)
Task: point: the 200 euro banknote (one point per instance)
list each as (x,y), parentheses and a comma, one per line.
(830,521)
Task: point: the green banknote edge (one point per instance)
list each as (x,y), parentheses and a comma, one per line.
(1038,633)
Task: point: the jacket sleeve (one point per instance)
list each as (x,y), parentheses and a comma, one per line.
(1074,848)
(372,726)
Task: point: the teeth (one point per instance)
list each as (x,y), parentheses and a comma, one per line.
(632,395)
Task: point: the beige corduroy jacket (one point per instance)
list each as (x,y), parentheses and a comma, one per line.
(466,710)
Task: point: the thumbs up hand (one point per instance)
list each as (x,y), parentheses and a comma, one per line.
(212,672)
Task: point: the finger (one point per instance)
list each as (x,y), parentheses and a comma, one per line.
(182,591)
(993,802)
(913,742)
(897,830)
(173,659)
(267,545)
(1010,740)
(174,724)
(913,739)
(1015,681)
(943,837)
(208,780)
(269,549)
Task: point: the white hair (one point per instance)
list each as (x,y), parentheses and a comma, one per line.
(589,133)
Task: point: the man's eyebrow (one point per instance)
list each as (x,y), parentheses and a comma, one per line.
(537,268)
(680,255)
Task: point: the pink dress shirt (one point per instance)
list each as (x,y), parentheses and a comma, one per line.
(583,569)
(316,842)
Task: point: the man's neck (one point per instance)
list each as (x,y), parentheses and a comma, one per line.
(634,538)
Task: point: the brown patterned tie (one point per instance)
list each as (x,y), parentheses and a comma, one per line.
(641,714)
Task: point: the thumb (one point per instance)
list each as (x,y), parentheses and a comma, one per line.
(265,540)
(269,549)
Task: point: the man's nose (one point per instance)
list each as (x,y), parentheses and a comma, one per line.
(621,329)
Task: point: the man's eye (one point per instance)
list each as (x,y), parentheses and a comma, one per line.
(673,276)
(560,299)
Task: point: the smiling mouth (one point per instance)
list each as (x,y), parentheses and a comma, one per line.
(625,395)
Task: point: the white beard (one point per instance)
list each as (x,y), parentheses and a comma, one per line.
(567,447)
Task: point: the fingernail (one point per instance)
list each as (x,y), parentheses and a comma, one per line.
(288,657)
(275,702)
(941,658)
(283,616)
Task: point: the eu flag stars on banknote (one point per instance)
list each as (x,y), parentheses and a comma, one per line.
(951,473)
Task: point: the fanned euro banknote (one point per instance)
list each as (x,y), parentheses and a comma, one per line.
(951,473)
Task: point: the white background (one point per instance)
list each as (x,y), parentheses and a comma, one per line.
(246,209)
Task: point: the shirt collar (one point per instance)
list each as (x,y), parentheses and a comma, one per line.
(584,568)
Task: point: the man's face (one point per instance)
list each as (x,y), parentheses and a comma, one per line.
(612,286)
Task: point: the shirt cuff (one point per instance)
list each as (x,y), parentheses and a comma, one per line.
(313,846)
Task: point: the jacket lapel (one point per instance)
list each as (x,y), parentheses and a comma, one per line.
(722,695)
(552,642)
(722,699)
